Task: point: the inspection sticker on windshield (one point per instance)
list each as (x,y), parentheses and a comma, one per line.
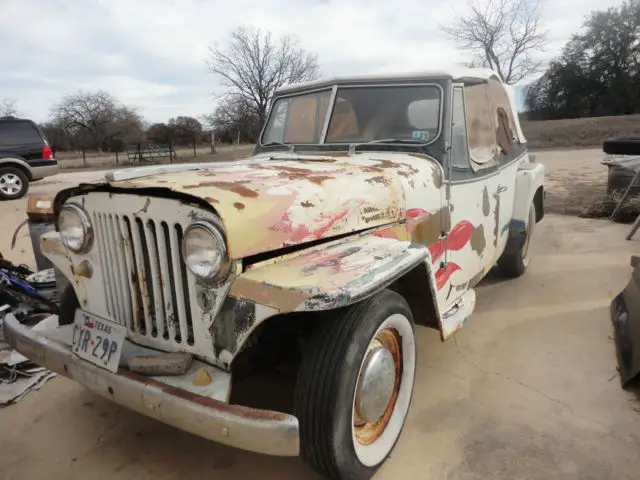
(98,340)
(419,135)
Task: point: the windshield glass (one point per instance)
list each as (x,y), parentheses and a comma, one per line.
(297,119)
(359,115)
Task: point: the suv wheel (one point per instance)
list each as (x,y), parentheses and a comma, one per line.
(13,183)
(355,385)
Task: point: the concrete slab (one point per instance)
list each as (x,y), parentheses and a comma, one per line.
(527,390)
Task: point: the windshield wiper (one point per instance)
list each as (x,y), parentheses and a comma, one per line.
(290,146)
(392,140)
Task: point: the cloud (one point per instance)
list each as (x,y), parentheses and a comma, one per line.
(152,53)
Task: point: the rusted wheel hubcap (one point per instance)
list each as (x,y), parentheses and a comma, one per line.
(378,387)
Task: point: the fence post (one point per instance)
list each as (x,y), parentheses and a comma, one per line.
(194,148)
(139,154)
(117,160)
(170,152)
(84,158)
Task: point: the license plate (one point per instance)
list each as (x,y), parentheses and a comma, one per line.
(98,340)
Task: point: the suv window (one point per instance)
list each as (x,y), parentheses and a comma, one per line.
(18,133)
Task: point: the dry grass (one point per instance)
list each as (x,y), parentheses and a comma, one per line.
(584,196)
(580,132)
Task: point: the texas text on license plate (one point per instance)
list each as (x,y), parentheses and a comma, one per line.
(98,340)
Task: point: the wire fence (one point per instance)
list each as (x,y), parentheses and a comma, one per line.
(146,154)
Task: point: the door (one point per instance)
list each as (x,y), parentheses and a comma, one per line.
(478,198)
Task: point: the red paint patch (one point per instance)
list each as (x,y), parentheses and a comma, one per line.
(437,250)
(443,275)
(90,324)
(460,235)
(388,233)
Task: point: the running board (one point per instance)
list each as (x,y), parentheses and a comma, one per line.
(456,317)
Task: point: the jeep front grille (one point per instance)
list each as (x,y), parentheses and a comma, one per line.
(144,277)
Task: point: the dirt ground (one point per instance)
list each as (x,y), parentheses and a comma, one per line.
(527,390)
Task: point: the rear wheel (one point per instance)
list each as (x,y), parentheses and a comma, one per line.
(517,255)
(13,183)
(355,385)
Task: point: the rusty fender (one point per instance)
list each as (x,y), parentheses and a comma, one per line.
(262,431)
(322,279)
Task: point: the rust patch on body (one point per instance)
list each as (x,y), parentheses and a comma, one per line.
(318,179)
(284,300)
(235,187)
(211,200)
(428,231)
(52,247)
(378,179)
(239,206)
(436,174)
(486,208)
(386,164)
(83,269)
(478,242)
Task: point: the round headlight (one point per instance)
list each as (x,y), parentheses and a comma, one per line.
(75,228)
(204,251)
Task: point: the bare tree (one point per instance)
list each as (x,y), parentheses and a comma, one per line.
(9,108)
(252,65)
(502,35)
(97,119)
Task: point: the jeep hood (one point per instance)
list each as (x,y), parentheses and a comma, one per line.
(268,204)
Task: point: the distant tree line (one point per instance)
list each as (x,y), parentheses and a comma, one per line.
(98,121)
(598,73)
(250,66)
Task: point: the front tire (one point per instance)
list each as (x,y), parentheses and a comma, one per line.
(13,183)
(517,256)
(355,385)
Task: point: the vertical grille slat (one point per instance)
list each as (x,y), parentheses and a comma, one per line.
(162,235)
(156,279)
(106,267)
(134,321)
(176,240)
(141,276)
(112,255)
(120,247)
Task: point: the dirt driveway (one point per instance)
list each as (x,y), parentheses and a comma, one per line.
(528,389)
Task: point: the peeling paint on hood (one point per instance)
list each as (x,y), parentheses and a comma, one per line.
(271,202)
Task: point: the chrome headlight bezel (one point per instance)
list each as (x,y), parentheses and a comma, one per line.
(218,242)
(87,227)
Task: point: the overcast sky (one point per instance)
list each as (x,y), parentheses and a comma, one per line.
(152,53)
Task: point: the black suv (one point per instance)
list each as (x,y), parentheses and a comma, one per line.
(25,156)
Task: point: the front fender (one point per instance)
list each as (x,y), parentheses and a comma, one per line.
(331,277)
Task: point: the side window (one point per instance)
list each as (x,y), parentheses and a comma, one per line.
(504,121)
(18,133)
(480,126)
(459,145)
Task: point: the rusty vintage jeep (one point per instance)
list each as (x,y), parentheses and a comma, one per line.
(370,205)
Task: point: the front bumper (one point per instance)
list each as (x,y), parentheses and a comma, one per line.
(261,431)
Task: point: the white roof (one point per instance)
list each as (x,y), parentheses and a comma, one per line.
(455,73)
